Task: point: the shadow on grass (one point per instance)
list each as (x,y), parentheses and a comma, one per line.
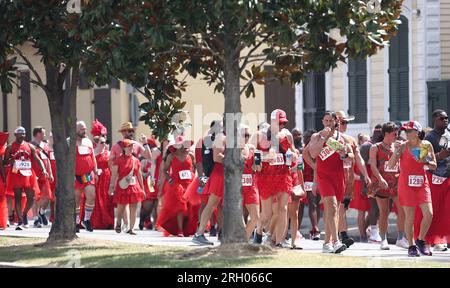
(129,256)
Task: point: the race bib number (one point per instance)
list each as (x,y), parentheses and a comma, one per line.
(22,165)
(326,152)
(390,170)
(185,174)
(415,181)
(83,150)
(52,155)
(308,186)
(437,180)
(279,160)
(247,180)
(43,156)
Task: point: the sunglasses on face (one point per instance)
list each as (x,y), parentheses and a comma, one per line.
(246,135)
(130,131)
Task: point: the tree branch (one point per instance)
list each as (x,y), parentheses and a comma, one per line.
(249,54)
(30,66)
(38,84)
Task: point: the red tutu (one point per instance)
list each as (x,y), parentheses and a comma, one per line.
(359,201)
(216,181)
(133,194)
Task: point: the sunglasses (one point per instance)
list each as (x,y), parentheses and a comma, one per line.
(344,122)
(246,135)
(130,131)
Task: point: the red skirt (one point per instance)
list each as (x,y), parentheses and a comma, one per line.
(216,181)
(273,180)
(133,194)
(103,214)
(250,195)
(359,202)
(174,203)
(18,181)
(331,185)
(192,195)
(45,189)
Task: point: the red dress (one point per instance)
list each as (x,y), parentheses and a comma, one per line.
(103,214)
(250,193)
(215,184)
(43,183)
(133,193)
(21,175)
(174,203)
(275,178)
(413,187)
(390,175)
(84,167)
(330,173)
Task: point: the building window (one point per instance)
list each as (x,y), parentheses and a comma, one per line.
(357,89)
(399,74)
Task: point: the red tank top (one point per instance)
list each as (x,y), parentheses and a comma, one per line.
(125,163)
(84,162)
(182,172)
(102,160)
(383,156)
(328,162)
(20,151)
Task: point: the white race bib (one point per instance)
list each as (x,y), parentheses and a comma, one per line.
(279,160)
(52,155)
(185,174)
(83,150)
(390,170)
(247,180)
(437,180)
(326,152)
(308,186)
(22,165)
(415,180)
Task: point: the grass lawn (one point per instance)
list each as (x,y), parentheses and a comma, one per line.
(95,253)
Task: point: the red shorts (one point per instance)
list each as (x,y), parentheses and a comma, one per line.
(331,186)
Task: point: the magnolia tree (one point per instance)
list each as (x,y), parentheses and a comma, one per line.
(228,43)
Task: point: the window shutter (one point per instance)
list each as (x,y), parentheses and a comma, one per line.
(357,89)
(399,74)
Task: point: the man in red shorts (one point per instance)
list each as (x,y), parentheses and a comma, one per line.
(22,179)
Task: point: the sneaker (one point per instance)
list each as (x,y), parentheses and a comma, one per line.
(87,225)
(258,239)
(43,219)
(413,251)
(314,235)
(338,247)
(440,247)
(213,232)
(37,223)
(348,241)
(283,244)
(402,243)
(375,237)
(18,228)
(384,245)
(327,248)
(25,221)
(200,239)
(267,239)
(423,247)
(118,229)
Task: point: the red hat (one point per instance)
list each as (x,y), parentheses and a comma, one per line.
(98,129)
(412,125)
(3,138)
(280,115)
(151,142)
(179,142)
(127,143)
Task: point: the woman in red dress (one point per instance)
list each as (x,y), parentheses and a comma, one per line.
(126,185)
(178,170)
(103,214)
(413,187)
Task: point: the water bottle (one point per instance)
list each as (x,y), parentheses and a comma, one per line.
(288,158)
(203,180)
(300,165)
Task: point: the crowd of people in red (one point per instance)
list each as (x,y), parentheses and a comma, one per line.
(178,186)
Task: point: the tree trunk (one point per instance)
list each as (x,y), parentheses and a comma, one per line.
(233,225)
(63,228)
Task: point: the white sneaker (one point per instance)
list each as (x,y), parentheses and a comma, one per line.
(375,236)
(267,239)
(440,247)
(327,248)
(402,243)
(338,247)
(384,245)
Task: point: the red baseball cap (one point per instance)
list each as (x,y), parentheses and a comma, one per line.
(280,115)
(412,125)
